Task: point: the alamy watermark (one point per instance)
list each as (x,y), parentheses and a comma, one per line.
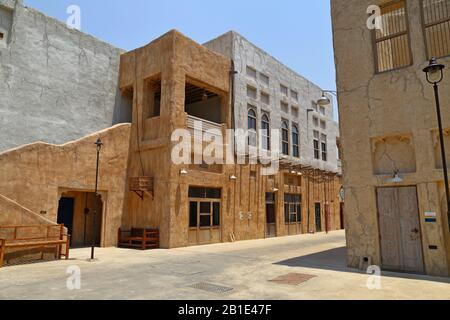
(375,21)
(73,282)
(235,147)
(74,19)
(374,280)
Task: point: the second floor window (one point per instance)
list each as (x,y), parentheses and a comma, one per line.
(295,142)
(391,43)
(316,145)
(436,24)
(251,128)
(265,127)
(324,148)
(285,138)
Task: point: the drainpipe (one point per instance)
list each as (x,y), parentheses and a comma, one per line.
(233,73)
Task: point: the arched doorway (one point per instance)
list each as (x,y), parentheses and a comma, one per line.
(75,211)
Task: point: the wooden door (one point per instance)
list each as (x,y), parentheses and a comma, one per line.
(293,214)
(271,223)
(318,217)
(65,213)
(342,216)
(400,236)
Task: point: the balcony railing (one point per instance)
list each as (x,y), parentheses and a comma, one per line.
(206,124)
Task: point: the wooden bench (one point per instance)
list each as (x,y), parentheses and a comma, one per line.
(139,238)
(17,241)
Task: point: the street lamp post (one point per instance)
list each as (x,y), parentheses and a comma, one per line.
(435,74)
(99,145)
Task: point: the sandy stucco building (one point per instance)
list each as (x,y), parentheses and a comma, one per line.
(389,128)
(168,89)
(166,85)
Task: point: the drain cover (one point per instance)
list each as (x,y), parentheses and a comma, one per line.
(293,278)
(213,288)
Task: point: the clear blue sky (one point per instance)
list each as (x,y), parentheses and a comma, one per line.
(297,32)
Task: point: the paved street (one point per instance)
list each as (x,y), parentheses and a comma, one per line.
(241,270)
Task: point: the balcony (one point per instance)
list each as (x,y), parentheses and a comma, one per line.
(206,125)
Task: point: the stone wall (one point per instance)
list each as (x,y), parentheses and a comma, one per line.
(395,109)
(245,54)
(56,84)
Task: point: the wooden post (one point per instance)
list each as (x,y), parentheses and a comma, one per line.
(67,246)
(61,237)
(2,251)
(61,232)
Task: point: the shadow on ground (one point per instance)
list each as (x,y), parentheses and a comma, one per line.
(336,260)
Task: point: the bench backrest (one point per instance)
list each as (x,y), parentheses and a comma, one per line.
(137,232)
(31,233)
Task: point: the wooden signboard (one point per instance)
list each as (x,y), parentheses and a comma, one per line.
(142,186)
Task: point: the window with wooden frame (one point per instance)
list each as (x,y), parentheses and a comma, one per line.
(292,208)
(204,207)
(295,142)
(252,127)
(392,42)
(436,27)
(324,148)
(265,133)
(316,145)
(285,138)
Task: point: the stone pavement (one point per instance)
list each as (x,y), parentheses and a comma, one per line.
(240,270)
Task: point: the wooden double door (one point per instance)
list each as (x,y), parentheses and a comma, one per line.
(400,231)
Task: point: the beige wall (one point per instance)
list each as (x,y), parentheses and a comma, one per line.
(13,214)
(393,111)
(35,176)
(178,59)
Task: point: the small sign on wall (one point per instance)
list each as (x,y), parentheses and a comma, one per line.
(430,217)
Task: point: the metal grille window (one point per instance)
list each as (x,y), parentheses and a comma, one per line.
(265,126)
(436,24)
(391,42)
(295,142)
(285,138)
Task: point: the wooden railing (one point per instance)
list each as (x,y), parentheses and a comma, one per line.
(206,124)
